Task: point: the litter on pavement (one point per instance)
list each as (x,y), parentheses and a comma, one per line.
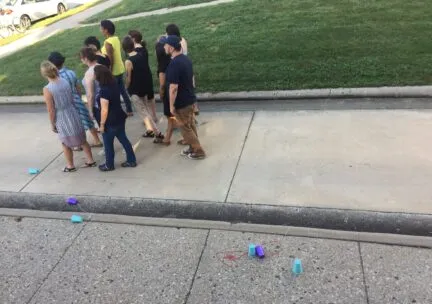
(259,251)
(72,201)
(297,267)
(76,219)
(251,252)
(33,171)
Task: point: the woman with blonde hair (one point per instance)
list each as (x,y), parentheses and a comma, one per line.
(65,120)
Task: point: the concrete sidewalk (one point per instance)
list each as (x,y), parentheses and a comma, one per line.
(54,261)
(326,169)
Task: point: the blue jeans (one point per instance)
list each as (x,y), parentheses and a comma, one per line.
(108,138)
(123,92)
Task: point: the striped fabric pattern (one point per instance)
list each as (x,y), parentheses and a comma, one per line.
(68,123)
(72,79)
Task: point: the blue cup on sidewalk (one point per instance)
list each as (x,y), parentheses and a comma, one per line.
(297,267)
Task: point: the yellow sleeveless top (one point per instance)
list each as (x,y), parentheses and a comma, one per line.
(118,66)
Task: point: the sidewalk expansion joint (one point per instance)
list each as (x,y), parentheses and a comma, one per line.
(363,273)
(196,269)
(240,156)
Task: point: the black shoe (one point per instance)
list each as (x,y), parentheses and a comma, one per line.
(158,138)
(148,134)
(129,165)
(105,168)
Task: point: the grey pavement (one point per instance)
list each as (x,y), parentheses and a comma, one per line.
(54,261)
(375,160)
(45,32)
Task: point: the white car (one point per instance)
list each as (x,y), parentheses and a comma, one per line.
(28,11)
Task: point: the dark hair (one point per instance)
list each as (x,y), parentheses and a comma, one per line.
(103,75)
(88,53)
(173,29)
(92,40)
(137,36)
(128,44)
(109,26)
(57,59)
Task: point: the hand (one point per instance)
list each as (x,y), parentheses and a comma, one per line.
(102,129)
(54,129)
(172,110)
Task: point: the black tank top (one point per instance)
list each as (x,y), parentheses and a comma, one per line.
(141,80)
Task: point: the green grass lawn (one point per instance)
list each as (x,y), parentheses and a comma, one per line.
(283,44)
(128,7)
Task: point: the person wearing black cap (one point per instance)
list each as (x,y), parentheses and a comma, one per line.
(179,76)
(70,76)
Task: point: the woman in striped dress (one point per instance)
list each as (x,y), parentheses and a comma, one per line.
(65,120)
(58,60)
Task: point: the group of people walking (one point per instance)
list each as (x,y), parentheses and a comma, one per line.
(106,81)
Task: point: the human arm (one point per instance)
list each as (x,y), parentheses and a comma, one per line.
(76,83)
(49,101)
(162,83)
(90,94)
(78,88)
(104,114)
(110,53)
(163,61)
(129,68)
(173,89)
(184,46)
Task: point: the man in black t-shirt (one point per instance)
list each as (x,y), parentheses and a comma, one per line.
(179,77)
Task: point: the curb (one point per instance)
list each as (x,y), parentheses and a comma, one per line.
(378,238)
(378,92)
(334,219)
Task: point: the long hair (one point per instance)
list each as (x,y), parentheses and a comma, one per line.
(103,75)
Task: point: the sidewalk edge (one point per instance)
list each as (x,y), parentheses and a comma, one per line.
(322,218)
(336,93)
(378,238)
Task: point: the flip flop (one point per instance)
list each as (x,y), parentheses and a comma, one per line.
(97,145)
(89,165)
(69,170)
(148,134)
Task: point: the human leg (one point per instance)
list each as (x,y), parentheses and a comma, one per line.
(127,146)
(108,139)
(68,156)
(124,94)
(187,126)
